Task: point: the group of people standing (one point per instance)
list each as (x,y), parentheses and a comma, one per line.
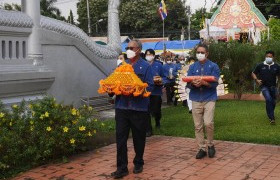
(135,112)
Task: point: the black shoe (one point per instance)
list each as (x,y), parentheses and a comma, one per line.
(201,154)
(137,169)
(119,174)
(190,111)
(272,121)
(211,151)
(149,134)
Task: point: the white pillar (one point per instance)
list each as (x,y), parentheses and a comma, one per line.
(23,6)
(32,8)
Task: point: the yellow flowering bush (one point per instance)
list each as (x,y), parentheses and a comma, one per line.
(32,134)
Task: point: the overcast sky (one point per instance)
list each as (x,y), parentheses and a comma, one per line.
(66,5)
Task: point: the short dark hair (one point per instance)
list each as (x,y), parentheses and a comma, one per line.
(203,46)
(151,51)
(270,52)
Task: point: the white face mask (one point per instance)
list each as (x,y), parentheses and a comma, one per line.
(200,57)
(119,61)
(268,60)
(168,62)
(182,62)
(150,58)
(130,54)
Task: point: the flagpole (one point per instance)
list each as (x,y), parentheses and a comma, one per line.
(163,36)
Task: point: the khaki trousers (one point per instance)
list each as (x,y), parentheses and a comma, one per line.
(203,114)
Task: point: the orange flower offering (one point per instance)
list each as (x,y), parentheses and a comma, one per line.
(205,78)
(124,81)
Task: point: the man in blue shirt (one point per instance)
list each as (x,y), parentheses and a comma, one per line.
(170,72)
(155,98)
(265,75)
(203,95)
(132,113)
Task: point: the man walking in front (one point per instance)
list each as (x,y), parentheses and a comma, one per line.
(132,113)
(265,74)
(203,95)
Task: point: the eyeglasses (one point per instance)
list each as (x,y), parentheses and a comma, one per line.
(199,52)
(130,48)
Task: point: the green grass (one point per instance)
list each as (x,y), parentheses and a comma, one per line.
(240,121)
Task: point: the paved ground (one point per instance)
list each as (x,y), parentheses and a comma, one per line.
(171,158)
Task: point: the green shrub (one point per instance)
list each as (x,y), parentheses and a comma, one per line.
(32,134)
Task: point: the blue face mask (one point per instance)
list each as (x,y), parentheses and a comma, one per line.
(268,60)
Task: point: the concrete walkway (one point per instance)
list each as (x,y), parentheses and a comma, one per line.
(171,158)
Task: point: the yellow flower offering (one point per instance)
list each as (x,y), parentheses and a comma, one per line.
(72,141)
(65,129)
(2,115)
(49,128)
(94,131)
(30,106)
(42,116)
(11,123)
(124,81)
(82,128)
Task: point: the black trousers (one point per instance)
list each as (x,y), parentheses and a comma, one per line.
(137,121)
(170,92)
(154,110)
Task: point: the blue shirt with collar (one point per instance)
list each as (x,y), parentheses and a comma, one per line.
(166,68)
(203,93)
(144,71)
(157,71)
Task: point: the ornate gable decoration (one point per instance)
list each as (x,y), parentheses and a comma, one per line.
(241,14)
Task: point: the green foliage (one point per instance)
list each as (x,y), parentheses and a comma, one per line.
(48,9)
(198,19)
(12,7)
(237,61)
(239,121)
(268,7)
(70,18)
(241,58)
(135,16)
(274,25)
(42,131)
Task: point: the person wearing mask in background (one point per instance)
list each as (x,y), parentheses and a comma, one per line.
(122,57)
(203,95)
(132,113)
(265,75)
(169,78)
(155,97)
(180,62)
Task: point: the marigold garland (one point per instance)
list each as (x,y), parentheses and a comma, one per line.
(124,81)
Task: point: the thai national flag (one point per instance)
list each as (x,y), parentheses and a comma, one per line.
(162,10)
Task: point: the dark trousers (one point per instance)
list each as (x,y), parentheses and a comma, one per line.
(269,94)
(170,91)
(154,110)
(137,121)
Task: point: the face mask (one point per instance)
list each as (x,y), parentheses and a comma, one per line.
(182,62)
(168,62)
(150,58)
(200,57)
(130,54)
(119,62)
(268,60)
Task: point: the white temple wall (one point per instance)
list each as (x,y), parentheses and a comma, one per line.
(77,70)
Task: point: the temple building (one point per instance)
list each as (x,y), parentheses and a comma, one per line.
(240,19)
